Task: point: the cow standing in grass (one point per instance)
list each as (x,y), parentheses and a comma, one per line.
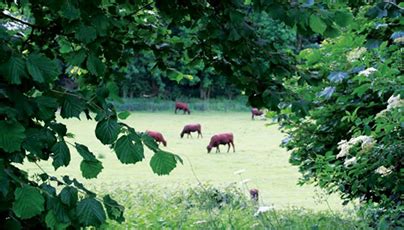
(188,129)
(256,112)
(221,139)
(157,136)
(182,106)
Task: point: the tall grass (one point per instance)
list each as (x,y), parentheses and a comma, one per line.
(155,104)
(212,208)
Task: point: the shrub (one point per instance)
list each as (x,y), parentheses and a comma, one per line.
(351,140)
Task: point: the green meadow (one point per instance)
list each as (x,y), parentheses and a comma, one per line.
(263,163)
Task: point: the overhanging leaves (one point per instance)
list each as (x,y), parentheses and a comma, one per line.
(127,151)
(14,70)
(114,210)
(28,203)
(162,163)
(11,136)
(90,212)
(72,106)
(61,154)
(41,68)
(107,131)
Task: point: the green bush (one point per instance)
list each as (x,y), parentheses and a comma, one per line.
(351,140)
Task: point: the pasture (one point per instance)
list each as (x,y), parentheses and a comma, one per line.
(258,154)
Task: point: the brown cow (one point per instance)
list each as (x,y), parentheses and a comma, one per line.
(188,129)
(182,106)
(256,112)
(221,139)
(157,136)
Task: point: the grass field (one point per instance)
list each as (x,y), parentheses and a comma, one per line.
(257,152)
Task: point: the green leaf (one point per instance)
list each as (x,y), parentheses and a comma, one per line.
(90,169)
(52,221)
(14,70)
(114,210)
(149,142)
(317,24)
(95,65)
(90,212)
(127,151)
(123,115)
(343,18)
(47,107)
(107,131)
(62,154)
(113,90)
(28,203)
(41,68)
(72,106)
(86,34)
(76,58)
(362,89)
(69,196)
(68,11)
(162,163)
(101,24)
(11,136)
(85,152)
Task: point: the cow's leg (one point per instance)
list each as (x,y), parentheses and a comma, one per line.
(234,149)
(217,149)
(176,110)
(228,147)
(252,116)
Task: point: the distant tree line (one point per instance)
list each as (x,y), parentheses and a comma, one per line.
(145,79)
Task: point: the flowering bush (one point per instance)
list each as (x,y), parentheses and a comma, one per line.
(351,140)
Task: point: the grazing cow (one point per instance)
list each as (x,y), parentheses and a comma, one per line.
(256,112)
(188,129)
(157,136)
(221,139)
(254,194)
(182,106)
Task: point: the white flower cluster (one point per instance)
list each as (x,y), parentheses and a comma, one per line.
(355,54)
(367,71)
(344,146)
(392,102)
(384,171)
(350,161)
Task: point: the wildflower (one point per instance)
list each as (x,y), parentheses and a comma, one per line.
(384,171)
(239,172)
(262,209)
(367,71)
(350,162)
